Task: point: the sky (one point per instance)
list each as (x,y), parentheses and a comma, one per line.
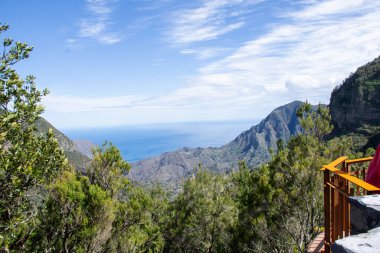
(130,62)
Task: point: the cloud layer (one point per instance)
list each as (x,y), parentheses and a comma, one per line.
(302,56)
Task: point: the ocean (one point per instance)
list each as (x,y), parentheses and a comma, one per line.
(140,142)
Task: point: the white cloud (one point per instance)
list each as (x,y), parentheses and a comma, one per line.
(63,103)
(110,38)
(205,53)
(97,25)
(307,54)
(100,7)
(331,7)
(302,58)
(213,19)
(69,111)
(92,28)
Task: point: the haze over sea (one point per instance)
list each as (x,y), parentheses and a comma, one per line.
(139,142)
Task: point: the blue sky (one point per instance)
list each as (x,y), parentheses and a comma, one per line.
(122,62)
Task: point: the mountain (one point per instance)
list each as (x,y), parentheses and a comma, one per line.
(355,105)
(84,147)
(77,158)
(252,146)
(355,111)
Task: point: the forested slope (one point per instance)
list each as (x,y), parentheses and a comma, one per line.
(75,156)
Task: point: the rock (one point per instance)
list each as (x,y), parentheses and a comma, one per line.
(362,243)
(84,147)
(365,212)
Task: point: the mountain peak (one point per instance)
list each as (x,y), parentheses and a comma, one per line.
(253,146)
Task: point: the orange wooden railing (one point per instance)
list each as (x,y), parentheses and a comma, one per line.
(339,185)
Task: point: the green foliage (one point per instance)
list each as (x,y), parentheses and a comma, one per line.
(76,217)
(100,213)
(27,160)
(255,200)
(202,216)
(314,123)
(108,169)
(372,85)
(355,104)
(44,205)
(139,217)
(280,203)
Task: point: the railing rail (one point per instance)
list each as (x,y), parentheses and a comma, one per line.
(339,185)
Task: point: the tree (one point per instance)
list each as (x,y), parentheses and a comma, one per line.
(202,216)
(257,211)
(28,160)
(136,226)
(76,217)
(138,223)
(108,169)
(280,204)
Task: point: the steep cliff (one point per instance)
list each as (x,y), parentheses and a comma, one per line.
(356,102)
(355,105)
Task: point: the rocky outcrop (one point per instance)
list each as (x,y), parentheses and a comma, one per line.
(361,243)
(365,219)
(84,147)
(365,212)
(252,146)
(355,104)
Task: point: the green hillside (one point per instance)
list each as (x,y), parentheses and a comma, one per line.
(76,158)
(355,105)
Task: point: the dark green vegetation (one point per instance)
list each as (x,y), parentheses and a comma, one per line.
(27,160)
(355,105)
(48,206)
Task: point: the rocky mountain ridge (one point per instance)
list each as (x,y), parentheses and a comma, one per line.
(357,100)
(355,105)
(252,146)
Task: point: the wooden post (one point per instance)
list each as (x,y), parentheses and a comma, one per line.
(335,211)
(347,203)
(357,188)
(327,211)
(340,210)
(337,189)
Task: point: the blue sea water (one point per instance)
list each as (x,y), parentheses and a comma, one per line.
(144,141)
